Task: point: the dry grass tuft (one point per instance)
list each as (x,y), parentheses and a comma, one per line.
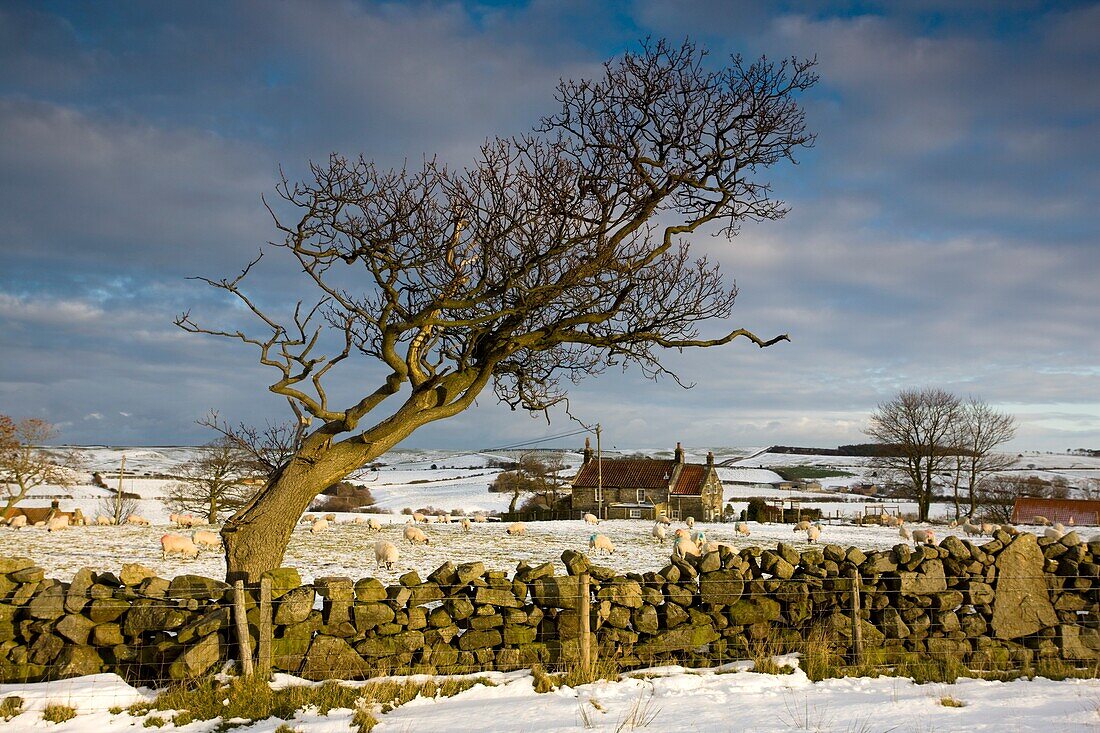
(57,713)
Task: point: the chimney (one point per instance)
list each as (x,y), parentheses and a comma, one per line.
(679,453)
(710,458)
(587,450)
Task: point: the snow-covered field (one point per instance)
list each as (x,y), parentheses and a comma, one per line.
(658,699)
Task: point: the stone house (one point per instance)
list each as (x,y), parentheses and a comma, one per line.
(646,488)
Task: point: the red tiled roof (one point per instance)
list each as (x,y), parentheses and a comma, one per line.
(690,481)
(627,473)
(1083,511)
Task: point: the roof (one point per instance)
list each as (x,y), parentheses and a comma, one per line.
(680,479)
(1082,511)
(626,473)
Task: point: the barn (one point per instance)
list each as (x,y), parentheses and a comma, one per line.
(1066,511)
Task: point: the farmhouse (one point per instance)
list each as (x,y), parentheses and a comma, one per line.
(646,488)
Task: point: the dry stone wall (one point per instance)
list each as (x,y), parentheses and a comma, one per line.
(1011,600)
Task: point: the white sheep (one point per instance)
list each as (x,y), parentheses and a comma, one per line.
(416,535)
(517,528)
(803,525)
(988,528)
(904,532)
(174,544)
(480,518)
(659,532)
(206,538)
(419,518)
(742,528)
(970,529)
(813,532)
(1040,520)
(374,525)
(385,553)
(137,520)
(359,520)
(56,524)
(331,518)
(18,522)
(924,537)
(601,542)
(690,522)
(103,521)
(318,526)
(1060,527)
(663,519)
(591,519)
(682,547)
(465,524)
(309,519)
(682,533)
(698,537)
(446,519)
(1009,529)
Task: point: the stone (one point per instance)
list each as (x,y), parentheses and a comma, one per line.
(133,573)
(283,580)
(198,587)
(979,593)
(151,615)
(1078,642)
(1021,605)
(516,634)
(28,575)
(556,591)
(204,625)
(293,607)
(14,564)
(479,639)
(929,579)
(721,588)
(370,590)
(410,579)
(75,628)
(682,639)
(48,603)
(45,649)
(107,635)
(679,595)
(425,593)
(334,588)
(575,562)
(753,610)
(79,588)
(710,562)
(154,587)
(197,658)
(645,620)
(536,572)
(773,564)
(498,598)
(330,657)
(445,574)
(103,610)
(469,571)
(369,615)
(77,661)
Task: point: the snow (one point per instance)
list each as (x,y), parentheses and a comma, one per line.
(662,698)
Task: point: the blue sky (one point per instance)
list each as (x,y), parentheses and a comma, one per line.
(943,230)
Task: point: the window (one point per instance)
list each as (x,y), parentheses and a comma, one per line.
(641,496)
(674,514)
(635,513)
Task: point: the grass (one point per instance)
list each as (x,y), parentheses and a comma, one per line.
(155,721)
(801,473)
(641,714)
(58,713)
(10,707)
(949,701)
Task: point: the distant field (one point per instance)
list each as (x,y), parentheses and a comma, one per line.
(802,473)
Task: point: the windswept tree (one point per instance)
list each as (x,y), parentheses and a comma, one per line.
(213,482)
(917,430)
(25,464)
(534,474)
(549,257)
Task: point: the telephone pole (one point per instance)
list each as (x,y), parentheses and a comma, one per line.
(599,472)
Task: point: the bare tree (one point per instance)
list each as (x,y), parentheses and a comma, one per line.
(552,256)
(214,482)
(980,431)
(24,464)
(533,475)
(263,451)
(917,429)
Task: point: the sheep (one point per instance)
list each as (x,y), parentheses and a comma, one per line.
(1053,533)
(318,526)
(681,533)
(137,520)
(182,520)
(385,553)
(953,523)
(374,525)
(988,528)
(1009,529)
(924,537)
(1040,520)
(698,537)
(802,526)
(591,519)
(690,522)
(309,519)
(813,532)
(601,542)
(904,532)
(659,532)
(683,547)
(742,528)
(465,524)
(446,519)
(1060,527)
(206,538)
(56,524)
(416,535)
(103,521)
(359,520)
(18,522)
(419,518)
(480,518)
(175,544)
(663,519)
(331,518)
(971,530)
(517,528)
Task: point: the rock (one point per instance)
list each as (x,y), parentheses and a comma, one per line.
(556,591)
(77,661)
(332,658)
(575,562)
(294,606)
(622,592)
(75,628)
(645,620)
(196,586)
(681,639)
(721,588)
(410,579)
(49,603)
(929,579)
(151,615)
(334,588)
(369,615)
(1022,604)
(103,610)
(1079,643)
(28,575)
(515,634)
(773,564)
(427,593)
(204,625)
(536,572)
(498,598)
(479,639)
(467,572)
(79,588)
(14,564)
(753,610)
(445,574)
(679,595)
(979,593)
(370,590)
(45,649)
(154,587)
(107,635)
(283,580)
(197,659)
(133,573)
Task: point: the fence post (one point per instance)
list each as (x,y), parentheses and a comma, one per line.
(263,653)
(857,621)
(243,643)
(585,613)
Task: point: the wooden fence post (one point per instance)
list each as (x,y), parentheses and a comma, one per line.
(263,653)
(243,643)
(585,612)
(857,620)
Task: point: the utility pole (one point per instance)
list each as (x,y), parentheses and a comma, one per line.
(118,491)
(599,472)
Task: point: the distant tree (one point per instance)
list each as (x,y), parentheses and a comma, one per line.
(213,482)
(550,256)
(997,495)
(344,497)
(25,464)
(533,475)
(919,426)
(978,432)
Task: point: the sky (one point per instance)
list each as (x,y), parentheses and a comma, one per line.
(943,230)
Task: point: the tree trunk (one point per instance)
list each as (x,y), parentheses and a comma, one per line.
(212,512)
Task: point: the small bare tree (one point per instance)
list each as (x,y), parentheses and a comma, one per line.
(212,483)
(533,475)
(551,256)
(979,432)
(917,430)
(24,464)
